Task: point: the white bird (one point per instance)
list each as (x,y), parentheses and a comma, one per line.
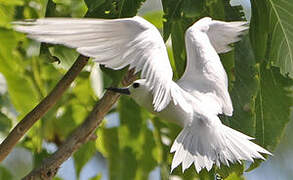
(193,102)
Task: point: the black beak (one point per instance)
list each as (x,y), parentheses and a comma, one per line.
(119,90)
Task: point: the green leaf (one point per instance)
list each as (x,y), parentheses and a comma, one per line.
(19,80)
(72,8)
(236,170)
(128,8)
(83,155)
(172,11)
(115,76)
(261,100)
(5,123)
(271,27)
(234,176)
(108,144)
(156,18)
(98,177)
(131,143)
(12,2)
(192,8)
(178,45)
(5,174)
(57,178)
(70,111)
(281,51)
(39,157)
(93,4)
(207,175)
(244,90)
(113,9)
(134,134)
(273,105)
(6,15)
(66,55)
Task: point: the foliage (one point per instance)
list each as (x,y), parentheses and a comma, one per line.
(258,72)
(271,24)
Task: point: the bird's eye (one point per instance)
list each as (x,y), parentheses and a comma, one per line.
(135,85)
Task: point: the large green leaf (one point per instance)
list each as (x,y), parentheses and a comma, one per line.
(272,108)
(244,90)
(271,29)
(261,99)
(273,104)
(281,17)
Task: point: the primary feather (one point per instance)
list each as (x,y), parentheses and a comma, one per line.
(205,75)
(115,43)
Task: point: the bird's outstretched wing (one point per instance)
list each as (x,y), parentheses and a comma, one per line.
(115,43)
(205,76)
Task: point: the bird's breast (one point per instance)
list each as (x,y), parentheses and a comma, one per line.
(173,113)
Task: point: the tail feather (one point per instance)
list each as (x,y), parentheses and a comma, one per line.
(206,146)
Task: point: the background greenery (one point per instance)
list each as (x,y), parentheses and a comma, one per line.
(135,142)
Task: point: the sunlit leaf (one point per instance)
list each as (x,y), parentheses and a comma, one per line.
(20,84)
(6,15)
(5,174)
(234,176)
(156,18)
(98,177)
(11,2)
(272,31)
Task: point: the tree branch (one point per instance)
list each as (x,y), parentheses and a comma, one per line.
(33,116)
(80,135)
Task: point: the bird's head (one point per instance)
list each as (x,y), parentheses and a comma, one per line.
(139,90)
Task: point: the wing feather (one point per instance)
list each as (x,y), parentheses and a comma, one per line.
(205,76)
(115,43)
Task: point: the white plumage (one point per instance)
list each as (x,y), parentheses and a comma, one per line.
(193,102)
(115,43)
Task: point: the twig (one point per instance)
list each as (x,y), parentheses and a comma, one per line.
(79,136)
(33,116)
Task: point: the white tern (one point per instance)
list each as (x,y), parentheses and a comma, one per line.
(193,102)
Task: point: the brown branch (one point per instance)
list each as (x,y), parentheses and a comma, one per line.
(79,136)
(28,121)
